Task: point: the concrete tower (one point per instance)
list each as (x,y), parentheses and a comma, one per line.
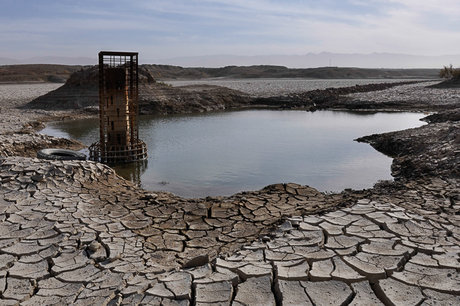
(118,110)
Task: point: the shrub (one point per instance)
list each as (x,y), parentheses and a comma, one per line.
(449,72)
(456,74)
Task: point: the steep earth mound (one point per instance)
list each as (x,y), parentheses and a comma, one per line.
(81,91)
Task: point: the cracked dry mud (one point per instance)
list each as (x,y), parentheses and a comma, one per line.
(76,233)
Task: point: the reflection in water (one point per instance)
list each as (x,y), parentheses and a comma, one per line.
(226,152)
(83,129)
(132,171)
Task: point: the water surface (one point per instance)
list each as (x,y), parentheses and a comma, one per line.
(227,152)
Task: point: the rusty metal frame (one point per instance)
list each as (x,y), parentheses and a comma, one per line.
(118,120)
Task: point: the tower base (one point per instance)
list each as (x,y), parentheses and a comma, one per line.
(111,154)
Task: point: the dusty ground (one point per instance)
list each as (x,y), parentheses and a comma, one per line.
(76,233)
(13,96)
(421,97)
(80,93)
(17,126)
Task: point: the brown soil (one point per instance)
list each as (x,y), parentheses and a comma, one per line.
(40,73)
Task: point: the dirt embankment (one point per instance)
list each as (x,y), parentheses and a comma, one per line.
(432,150)
(270,71)
(163,99)
(18,127)
(81,92)
(402,96)
(330,98)
(60,73)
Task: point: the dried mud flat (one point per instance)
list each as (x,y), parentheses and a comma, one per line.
(18,126)
(76,233)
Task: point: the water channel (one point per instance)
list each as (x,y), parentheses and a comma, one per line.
(222,153)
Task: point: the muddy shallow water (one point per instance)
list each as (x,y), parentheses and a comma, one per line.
(227,152)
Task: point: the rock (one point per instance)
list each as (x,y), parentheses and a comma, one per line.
(94,246)
(37,178)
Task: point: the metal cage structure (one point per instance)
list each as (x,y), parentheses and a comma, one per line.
(118,110)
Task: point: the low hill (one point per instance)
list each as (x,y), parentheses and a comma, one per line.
(166,72)
(81,92)
(40,73)
(60,73)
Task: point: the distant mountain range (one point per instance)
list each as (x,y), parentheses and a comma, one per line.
(310,60)
(60,73)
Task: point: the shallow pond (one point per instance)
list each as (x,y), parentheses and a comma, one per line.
(227,152)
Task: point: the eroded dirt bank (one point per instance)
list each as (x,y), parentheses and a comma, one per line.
(403,96)
(76,233)
(80,94)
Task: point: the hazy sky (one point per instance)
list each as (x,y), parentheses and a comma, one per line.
(172,28)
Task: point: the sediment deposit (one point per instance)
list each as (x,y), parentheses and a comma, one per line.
(76,233)
(80,93)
